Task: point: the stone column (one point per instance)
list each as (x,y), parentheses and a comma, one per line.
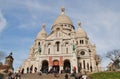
(71,69)
(75,64)
(50,67)
(61,68)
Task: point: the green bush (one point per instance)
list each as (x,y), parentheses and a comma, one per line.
(105,75)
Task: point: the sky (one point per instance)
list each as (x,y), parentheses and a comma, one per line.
(21,20)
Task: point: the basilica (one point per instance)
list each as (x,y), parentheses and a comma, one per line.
(65,49)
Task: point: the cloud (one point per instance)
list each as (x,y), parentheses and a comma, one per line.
(102,27)
(3,22)
(100,20)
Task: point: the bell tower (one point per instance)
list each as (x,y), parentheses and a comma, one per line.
(9,61)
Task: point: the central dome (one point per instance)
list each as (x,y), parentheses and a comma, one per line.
(63,22)
(63,19)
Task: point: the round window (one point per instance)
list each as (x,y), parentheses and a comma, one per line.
(82,53)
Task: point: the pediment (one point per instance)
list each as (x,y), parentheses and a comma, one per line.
(58,35)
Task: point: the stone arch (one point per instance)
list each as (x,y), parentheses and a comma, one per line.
(44,68)
(67,66)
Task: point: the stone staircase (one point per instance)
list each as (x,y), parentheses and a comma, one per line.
(43,76)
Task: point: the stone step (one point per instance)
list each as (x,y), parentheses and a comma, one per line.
(43,76)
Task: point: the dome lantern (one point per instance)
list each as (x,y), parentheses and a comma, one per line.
(43,26)
(79,24)
(63,10)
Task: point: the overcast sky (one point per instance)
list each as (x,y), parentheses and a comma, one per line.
(21,20)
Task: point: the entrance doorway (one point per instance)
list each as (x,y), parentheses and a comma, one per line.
(56,67)
(44,68)
(67,66)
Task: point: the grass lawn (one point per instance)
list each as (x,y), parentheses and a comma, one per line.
(106,75)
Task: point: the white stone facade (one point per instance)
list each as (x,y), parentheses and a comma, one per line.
(63,49)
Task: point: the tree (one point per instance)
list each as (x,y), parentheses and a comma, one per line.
(114,55)
(2,55)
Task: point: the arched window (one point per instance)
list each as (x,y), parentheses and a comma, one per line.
(81,42)
(48,50)
(57,43)
(57,29)
(76,42)
(79,67)
(88,66)
(84,64)
(38,43)
(66,50)
(66,44)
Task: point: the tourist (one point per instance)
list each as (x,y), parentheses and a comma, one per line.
(84,76)
(66,76)
(13,76)
(16,75)
(27,69)
(40,73)
(74,69)
(78,76)
(9,75)
(35,70)
(22,71)
(19,75)
(31,68)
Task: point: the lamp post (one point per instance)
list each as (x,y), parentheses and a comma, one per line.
(90,61)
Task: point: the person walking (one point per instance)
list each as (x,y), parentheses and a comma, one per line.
(84,76)
(66,76)
(13,76)
(31,68)
(27,69)
(19,75)
(9,75)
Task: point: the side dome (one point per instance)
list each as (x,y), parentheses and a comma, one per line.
(80,32)
(42,34)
